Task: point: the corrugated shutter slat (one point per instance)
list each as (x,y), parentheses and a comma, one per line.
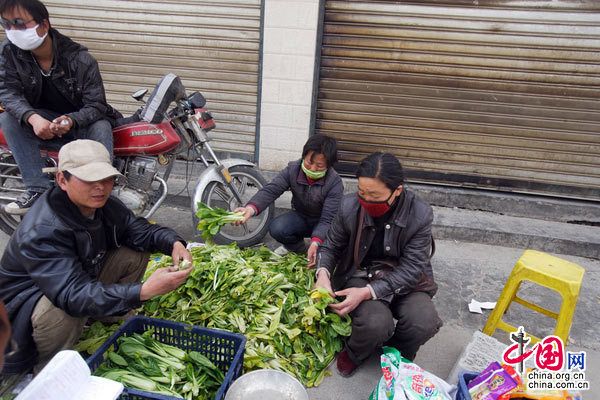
(212,45)
(501,95)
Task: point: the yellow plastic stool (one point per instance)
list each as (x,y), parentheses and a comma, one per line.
(543,269)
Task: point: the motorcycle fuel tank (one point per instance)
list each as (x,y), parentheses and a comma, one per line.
(144,138)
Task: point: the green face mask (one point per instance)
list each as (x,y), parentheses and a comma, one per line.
(314,175)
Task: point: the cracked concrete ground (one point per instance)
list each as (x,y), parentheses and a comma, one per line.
(463,271)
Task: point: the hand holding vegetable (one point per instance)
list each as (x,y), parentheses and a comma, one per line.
(212,219)
(324,282)
(354,296)
(247,212)
(180,253)
(162,281)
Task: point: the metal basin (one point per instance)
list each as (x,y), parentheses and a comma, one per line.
(266,384)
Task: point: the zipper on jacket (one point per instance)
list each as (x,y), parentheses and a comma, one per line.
(115,237)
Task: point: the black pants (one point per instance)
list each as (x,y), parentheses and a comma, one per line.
(373,324)
(291,228)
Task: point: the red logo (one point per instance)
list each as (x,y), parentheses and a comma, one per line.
(417,384)
(387,374)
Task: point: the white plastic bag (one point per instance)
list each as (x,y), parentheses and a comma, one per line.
(404,380)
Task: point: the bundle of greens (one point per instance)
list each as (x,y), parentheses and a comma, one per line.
(93,336)
(212,219)
(267,298)
(142,362)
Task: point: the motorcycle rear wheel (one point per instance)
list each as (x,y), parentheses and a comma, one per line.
(247,181)
(8,222)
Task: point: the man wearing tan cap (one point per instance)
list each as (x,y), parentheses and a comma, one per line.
(79,253)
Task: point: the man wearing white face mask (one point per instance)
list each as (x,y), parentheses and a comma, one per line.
(52,91)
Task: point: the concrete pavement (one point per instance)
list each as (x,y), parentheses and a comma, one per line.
(463,271)
(466,271)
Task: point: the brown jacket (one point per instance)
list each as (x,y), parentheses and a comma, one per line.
(407,245)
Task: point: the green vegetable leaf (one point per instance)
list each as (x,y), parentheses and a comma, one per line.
(210,220)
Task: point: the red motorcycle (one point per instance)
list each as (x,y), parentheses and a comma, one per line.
(156,137)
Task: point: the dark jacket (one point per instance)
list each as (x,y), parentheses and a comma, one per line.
(76,75)
(407,246)
(319,200)
(51,253)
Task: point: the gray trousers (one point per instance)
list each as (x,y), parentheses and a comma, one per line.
(373,324)
(55,330)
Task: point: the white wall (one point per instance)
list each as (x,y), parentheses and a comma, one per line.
(290,33)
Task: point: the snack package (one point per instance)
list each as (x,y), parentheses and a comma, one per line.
(515,375)
(558,395)
(484,375)
(404,380)
(493,382)
(520,392)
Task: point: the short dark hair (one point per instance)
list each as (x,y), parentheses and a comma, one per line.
(36,8)
(67,175)
(322,144)
(383,166)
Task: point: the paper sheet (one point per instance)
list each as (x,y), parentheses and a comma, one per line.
(67,377)
(478,307)
(101,388)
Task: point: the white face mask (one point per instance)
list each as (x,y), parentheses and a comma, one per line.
(26,39)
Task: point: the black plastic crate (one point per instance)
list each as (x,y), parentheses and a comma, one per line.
(224,349)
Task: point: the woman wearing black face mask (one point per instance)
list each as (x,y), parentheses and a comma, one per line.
(377,257)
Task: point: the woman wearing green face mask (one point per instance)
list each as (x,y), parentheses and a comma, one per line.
(316,189)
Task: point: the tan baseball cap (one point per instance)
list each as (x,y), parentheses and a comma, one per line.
(86,159)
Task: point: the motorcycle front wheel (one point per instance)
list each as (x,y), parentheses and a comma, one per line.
(248,181)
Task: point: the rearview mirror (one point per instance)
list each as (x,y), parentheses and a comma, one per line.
(139,94)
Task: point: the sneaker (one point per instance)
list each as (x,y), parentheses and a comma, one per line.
(345,365)
(23,203)
(281,251)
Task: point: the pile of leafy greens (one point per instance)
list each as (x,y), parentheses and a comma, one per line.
(142,362)
(266,297)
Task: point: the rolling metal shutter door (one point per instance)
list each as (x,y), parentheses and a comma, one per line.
(502,96)
(212,45)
